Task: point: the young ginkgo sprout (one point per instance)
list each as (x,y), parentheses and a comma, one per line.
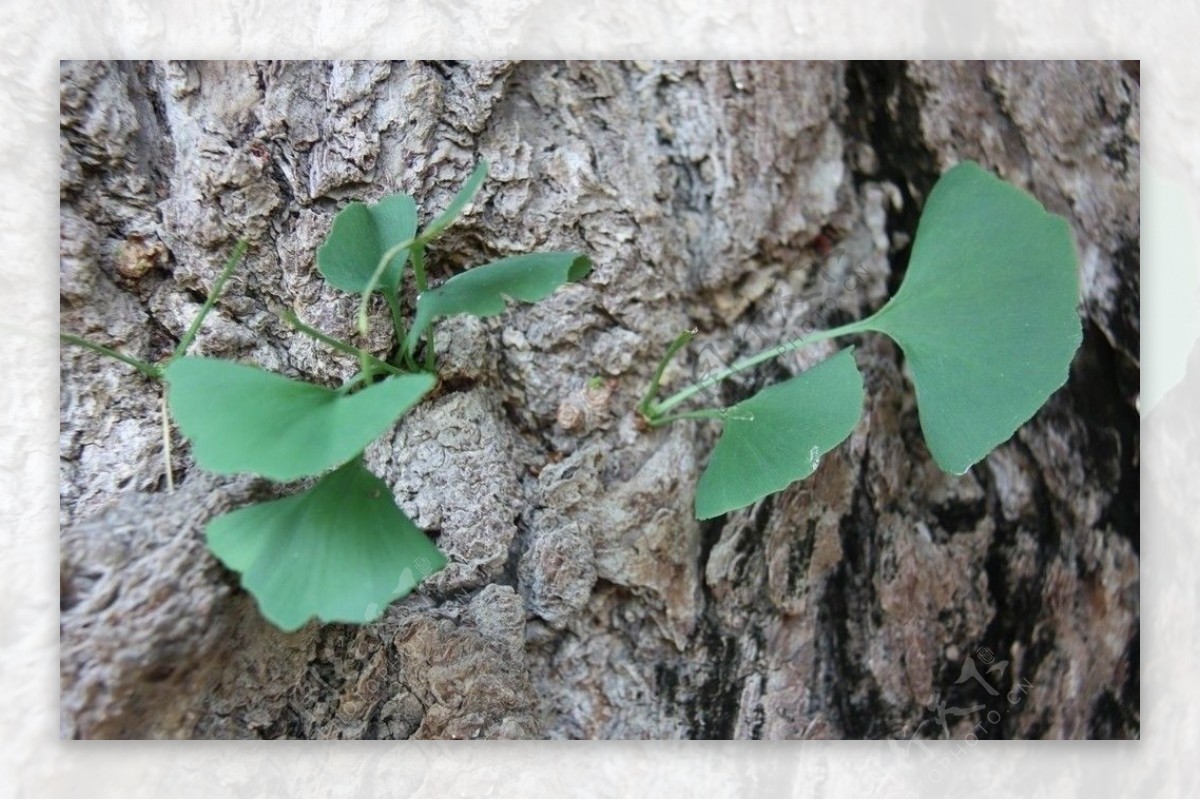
(986,317)
(342,549)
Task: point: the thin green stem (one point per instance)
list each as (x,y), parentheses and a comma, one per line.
(239,251)
(410,363)
(403,358)
(370,363)
(147,369)
(680,342)
(701,413)
(657,410)
(393,301)
(377,276)
(166,434)
(367,368)
(417,255)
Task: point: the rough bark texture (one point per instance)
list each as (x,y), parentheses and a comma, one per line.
(749,200)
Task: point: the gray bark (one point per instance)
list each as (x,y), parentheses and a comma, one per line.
(748,200)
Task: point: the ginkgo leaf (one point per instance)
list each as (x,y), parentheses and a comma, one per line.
(340,552)
(484,291)
(986,313)
(360,236)
(779,435)
(244,419)
(460,200)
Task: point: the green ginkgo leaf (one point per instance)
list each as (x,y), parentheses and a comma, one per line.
(460,200)
(360,236)
(485,290)
(340,552)
(986,313)
(779,435)
(244,419)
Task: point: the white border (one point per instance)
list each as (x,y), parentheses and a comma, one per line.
(34,762)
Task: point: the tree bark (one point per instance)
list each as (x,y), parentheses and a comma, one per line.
(880,598)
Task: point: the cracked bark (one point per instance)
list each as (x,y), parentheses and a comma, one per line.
(748,200)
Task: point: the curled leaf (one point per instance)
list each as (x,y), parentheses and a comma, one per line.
(779,435)
(460,200)
(340,552)
(986,313)
(484,291)
(244,419)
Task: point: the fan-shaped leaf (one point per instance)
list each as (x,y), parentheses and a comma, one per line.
(779,435)
(986,313)
(483,291)
(360,236)
(244,419)
(340,551)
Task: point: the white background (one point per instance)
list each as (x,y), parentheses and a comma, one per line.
(1164,35)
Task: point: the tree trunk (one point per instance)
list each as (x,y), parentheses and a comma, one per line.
(880,598)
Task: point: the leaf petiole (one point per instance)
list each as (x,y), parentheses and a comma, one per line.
(376,277)
(235,258)
(700,413)
(393,301)
(166,435)
(147,369)
(680,342)
(656,411)
(369,362)
(417,256)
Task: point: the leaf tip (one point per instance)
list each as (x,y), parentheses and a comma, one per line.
(579,268)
